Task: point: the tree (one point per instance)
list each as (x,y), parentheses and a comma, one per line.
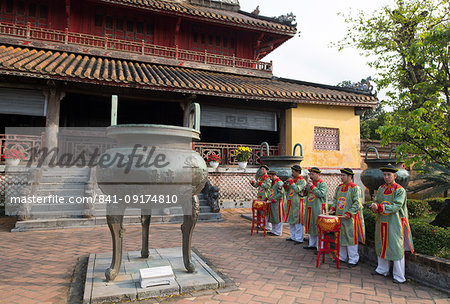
(436,180)
(410,44)
(371,120)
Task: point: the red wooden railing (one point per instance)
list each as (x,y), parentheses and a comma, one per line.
(25,143)
(32,144)
(142,48)
(227,151)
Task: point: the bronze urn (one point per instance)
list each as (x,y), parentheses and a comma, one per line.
(372,177)
(151,167)
(281,163)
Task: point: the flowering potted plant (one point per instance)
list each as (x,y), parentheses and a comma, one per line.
(214,160)
(13,156)
(243,154)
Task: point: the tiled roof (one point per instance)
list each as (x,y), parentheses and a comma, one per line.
(208,13)
(74,67)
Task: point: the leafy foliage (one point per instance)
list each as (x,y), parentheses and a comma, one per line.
(243,154)
(436,179)
(369,222)
(214,158)
(417,208)
(431,240)
(371,120)
(13,153)
(409,44)
(436,204)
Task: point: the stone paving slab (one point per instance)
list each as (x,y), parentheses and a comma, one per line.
(126,287)
(37,267)
(100,221)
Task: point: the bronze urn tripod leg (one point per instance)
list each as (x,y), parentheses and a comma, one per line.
(117,231)
(145,223)
(187,227)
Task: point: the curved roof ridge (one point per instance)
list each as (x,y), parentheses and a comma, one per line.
(237,17)
(74,67)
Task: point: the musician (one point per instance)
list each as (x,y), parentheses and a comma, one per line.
(392,232)
(276,204)
(263,184)
(294,204)
(347,202)
(316,203)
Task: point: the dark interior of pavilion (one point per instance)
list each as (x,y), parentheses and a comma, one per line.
(78,110)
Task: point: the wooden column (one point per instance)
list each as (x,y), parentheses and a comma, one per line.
(185,106)
(53,96)
(282,126)
(114,105)
(68,14)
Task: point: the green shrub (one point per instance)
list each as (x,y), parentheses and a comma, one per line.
(436,203)
(369,223)
(431,240)
(417,208)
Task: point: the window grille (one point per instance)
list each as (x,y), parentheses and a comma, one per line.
(326,139)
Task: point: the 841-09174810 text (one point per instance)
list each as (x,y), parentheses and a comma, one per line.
(101,199)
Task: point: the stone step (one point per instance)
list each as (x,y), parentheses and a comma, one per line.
(62,223)
(61,192)
(55,179)
(203,202)
(57,214)
(202,199)
(65,171)
(56,207)
(136,211)
(61,186)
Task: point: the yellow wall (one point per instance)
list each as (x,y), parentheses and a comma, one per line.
(300,123)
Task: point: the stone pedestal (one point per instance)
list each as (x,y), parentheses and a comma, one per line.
(126,286)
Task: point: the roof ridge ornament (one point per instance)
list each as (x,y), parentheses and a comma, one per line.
(363,85)
(288,19)
(232,5)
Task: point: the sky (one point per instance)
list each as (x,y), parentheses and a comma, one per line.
(308,56)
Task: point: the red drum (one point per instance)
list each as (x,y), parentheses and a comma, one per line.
(258,204)
(260,212)
(328,223)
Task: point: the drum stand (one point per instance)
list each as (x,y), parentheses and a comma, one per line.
(326,240)
(259,215)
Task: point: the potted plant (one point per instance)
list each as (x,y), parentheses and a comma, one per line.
(13,156)
(243,154)
(214,160)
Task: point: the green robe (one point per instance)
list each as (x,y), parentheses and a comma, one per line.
(392,232)
(264,183)
(294,202)
(316,203)
(348,199)
(276,199)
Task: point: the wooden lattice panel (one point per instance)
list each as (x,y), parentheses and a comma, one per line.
(234,186)
(11,185)
(332,181)
(326,139)
(2,189)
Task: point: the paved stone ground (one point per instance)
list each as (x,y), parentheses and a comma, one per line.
(36,266)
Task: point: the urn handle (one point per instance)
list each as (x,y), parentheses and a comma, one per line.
(194,116)
(295,147)
(264,145)
(390,153)
(372,148)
